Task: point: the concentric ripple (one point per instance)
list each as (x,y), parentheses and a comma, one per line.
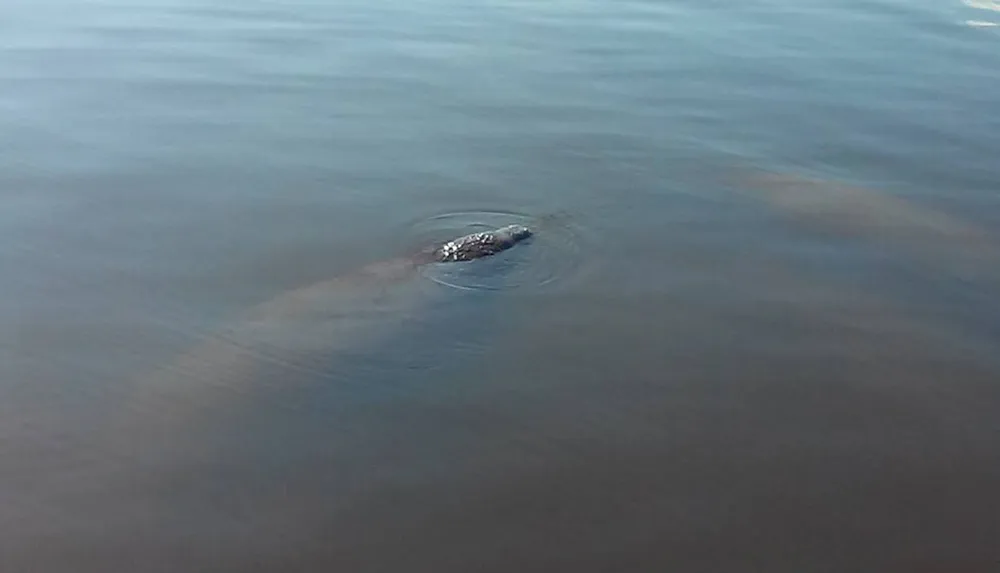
(554,253)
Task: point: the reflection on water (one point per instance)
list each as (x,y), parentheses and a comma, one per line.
(756,328)
(983,4)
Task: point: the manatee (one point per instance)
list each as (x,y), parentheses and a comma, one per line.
(298,332)
(941,242)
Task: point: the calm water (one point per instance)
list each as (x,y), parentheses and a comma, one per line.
(757,329)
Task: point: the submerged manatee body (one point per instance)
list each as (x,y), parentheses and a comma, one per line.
(297,332)
(941,243)
(325,341)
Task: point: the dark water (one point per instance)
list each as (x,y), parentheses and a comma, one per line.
(757,329)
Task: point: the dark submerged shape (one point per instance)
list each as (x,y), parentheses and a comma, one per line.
(483,244)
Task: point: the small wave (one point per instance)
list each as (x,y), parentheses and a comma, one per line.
(981,24)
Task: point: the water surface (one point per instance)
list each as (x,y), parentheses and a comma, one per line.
(757,330)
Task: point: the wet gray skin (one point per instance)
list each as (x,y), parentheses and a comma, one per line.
(482,244)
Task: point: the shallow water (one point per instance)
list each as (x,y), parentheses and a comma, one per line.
(755,331)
